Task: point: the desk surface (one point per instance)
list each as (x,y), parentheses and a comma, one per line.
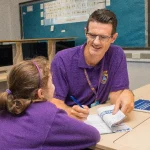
(138,137)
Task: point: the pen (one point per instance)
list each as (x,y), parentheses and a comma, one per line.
(76,101)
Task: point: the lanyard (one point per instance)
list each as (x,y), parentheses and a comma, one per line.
(90,84)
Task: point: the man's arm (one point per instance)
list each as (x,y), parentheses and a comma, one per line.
(60,81)
(123,99)
(75,112)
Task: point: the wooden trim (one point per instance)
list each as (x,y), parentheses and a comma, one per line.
(18,54)
(51,50)
(40,39)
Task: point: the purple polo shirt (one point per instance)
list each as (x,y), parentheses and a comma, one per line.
(69,77)
(44,127)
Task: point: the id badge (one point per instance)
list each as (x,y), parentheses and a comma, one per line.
(95,103)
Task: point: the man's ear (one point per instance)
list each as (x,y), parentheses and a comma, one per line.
(40,93)
(114,37)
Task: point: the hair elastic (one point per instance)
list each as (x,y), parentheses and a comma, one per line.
(8,91)
(38,72)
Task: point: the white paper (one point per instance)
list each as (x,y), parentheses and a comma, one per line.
(68,11)
(107,2)
(106,114)
(29,8)
(42,22)
(42,14)
(98,123)
(52,28)
(105,122)
(41,6)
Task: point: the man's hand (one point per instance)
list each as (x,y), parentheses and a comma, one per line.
(75,112)
(124,101)
(79,113)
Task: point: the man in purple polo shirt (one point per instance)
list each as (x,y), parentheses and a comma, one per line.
(93,72)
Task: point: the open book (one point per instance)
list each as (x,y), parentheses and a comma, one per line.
(105,122)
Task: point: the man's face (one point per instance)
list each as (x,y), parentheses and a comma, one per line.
(99,37)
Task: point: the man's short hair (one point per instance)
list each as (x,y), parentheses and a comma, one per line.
(103,16)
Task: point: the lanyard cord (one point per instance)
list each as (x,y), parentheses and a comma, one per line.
(90,84)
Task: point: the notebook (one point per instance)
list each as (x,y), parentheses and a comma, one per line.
(105,122)
(142,105)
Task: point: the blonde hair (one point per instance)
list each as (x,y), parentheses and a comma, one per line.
(23,82)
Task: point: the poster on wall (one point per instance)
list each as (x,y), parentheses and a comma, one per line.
(69,11)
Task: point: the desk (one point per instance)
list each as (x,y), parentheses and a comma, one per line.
(138,137)
(18,55)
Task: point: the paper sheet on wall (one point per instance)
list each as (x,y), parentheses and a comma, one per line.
(41,6)
(42,14)
(29,8)
(69,11)
(107,2)
(42,22)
